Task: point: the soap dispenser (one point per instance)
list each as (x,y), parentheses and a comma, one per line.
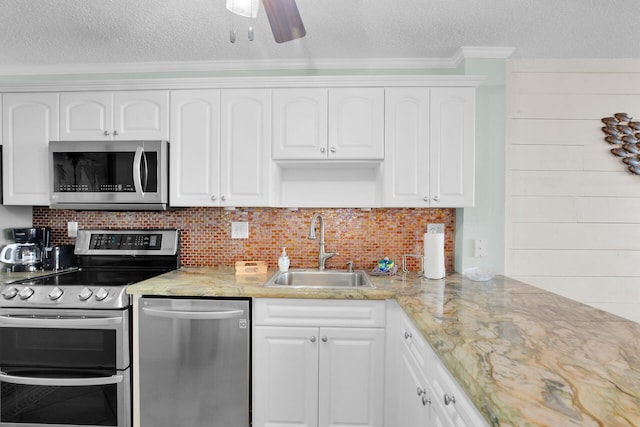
(283,261)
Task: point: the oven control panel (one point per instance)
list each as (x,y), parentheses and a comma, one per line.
(128,242)
(111,241)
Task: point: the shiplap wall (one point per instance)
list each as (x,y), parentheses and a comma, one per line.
(572,210)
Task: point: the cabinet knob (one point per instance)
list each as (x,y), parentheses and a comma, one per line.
(333,149)
(407,335)
(106,133)
(426,199)
(223,198)
(324,338)
(436,198)
(449,399)
(213,198)
(312,339)
(115,133)
(426,401)
(421,391)
(322,150)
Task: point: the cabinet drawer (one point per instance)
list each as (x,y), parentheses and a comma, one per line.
(310,312)
(414,342)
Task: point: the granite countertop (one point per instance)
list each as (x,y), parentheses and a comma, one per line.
(525,357)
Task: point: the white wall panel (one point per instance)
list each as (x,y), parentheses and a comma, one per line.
(573,210)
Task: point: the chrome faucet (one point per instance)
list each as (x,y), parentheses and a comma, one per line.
(322,255)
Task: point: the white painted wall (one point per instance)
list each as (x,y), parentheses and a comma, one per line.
(572,219)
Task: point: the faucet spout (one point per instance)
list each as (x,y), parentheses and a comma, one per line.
(322,255)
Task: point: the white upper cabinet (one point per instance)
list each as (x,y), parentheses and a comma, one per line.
(300,124)
(220,141)
(406,164)
(195,148)
(335,123)
(451,153)
(126,115)
(429,160)
(245,160)
(29,122)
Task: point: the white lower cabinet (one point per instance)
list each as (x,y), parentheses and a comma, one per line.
(420,390)
(318,363)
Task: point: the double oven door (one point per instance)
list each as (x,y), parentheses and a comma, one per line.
(61,368)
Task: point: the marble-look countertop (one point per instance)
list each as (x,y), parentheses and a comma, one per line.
(525,357)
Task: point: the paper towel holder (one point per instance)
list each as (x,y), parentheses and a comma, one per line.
(404,262)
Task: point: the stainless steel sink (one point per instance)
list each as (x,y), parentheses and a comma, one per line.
(320,279)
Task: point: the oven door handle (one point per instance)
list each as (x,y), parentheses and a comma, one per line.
(48,322)
(60,382)
(193,315)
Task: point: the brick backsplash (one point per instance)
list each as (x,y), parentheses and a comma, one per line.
(358,235)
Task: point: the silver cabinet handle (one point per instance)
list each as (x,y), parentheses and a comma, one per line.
(106,133)
(333,149)
(213,198)
(312,339)
(53,322)
(426,401)
(449,399)
(193,315)
(421,391)
(322,150)
(223,198)
(426,199)
(324,338)
(115,133)
(60,382)
(407,335)
(436,198)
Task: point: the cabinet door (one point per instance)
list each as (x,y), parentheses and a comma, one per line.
(141,115)
(299,124)
(406,164)
(285,376)
(30,121)
(356,123)
(415,396)
(86,116)
(245,148)
(195,148)
(351,379)
(452,138)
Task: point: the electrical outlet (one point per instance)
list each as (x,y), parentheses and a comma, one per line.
(72,229)
(435,228)
(240,230)
(480,248)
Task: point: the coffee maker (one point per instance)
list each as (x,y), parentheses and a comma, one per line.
(27,253)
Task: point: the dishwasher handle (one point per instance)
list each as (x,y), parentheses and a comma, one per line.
(193,315)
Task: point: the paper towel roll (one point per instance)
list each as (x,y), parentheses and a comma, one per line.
(434,255)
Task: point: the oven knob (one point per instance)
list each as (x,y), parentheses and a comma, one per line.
(25,293)
(85,294)
(55,293)
(10,293)
(101,294)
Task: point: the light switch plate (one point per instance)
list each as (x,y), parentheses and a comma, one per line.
(240,230)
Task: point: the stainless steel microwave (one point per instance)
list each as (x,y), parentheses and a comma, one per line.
(109,175)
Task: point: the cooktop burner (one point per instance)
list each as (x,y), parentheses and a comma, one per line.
(93,278)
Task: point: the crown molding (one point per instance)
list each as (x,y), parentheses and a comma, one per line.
(56,85)
(261,65)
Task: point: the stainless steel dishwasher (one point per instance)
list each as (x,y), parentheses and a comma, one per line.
(194,359)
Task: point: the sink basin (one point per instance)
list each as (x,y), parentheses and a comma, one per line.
(320,279)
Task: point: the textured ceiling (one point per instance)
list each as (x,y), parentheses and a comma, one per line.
(43,32)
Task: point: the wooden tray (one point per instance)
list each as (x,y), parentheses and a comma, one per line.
(244,268)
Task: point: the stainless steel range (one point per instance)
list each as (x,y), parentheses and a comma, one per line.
(66,338)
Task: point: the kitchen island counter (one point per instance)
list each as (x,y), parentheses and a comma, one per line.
(525,356)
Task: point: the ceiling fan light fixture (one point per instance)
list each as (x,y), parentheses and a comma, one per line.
(247,8)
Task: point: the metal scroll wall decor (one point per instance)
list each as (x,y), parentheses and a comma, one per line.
(623,134)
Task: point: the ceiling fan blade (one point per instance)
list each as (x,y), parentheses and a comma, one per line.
(284,18)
